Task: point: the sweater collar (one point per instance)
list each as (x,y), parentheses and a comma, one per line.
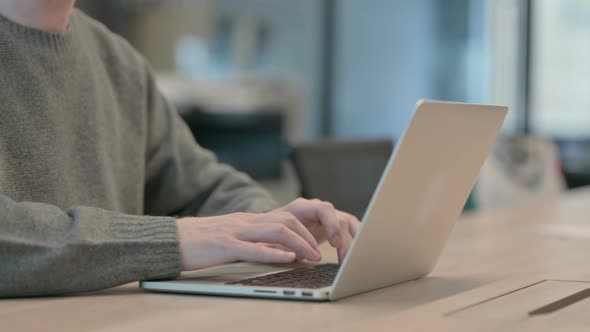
(41,37)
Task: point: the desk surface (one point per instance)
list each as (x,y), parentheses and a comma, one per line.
(488,254)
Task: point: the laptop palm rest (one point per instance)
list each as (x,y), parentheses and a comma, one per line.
(235,272)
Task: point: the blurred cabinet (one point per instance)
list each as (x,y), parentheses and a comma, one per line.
(252,142)
(245,122)
(575,160)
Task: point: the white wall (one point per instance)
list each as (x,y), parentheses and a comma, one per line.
(389,54)
(296,47)
(385,60)
(560,69)
(392,53)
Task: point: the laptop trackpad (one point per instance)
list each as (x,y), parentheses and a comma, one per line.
(234,272)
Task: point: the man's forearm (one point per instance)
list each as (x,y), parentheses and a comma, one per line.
(47,251)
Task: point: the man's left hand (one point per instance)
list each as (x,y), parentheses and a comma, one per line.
(325,223)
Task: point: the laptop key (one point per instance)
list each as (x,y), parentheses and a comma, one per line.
(317,276)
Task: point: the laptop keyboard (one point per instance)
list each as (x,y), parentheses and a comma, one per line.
(317,276)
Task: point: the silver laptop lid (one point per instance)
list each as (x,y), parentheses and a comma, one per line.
(420,195)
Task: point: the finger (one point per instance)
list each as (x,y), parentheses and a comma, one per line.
(250,252)
(316,211)
(352,222)
(276,246)
(353,225)
(346,243)
(280,247)
(319,232)
(278,233)
(327,216)
(289,220)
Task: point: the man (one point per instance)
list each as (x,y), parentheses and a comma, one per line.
(93,161)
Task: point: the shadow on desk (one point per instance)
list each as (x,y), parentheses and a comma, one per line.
(416,292)
(130,289)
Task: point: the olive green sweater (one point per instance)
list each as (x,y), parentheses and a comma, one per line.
(93,161)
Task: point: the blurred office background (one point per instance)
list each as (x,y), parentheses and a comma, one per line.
(263,82)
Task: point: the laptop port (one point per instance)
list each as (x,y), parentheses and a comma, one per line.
(287,292)
(307,293)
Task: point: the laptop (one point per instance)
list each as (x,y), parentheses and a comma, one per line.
(419,197)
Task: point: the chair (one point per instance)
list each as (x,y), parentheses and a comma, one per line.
(344,173)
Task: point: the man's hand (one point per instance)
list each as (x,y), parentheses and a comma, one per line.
(279,236)
(326,223)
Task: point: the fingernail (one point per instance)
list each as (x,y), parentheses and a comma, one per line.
(317,256)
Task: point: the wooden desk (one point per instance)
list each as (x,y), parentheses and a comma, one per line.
(488,254)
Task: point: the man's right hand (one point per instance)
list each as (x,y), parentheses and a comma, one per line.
(210,241)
